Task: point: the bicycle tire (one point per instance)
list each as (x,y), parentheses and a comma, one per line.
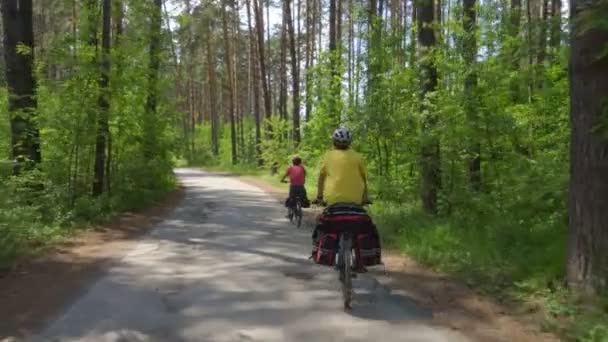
(298,214)
(346,270)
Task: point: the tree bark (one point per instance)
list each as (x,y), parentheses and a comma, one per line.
(212,81)
(313,45)
(308,58)
(431,178)
(351,54)
(18,30)
(283,67)
(153,72)
(295,74)
(542,35)
(470,92)
(255,85)
(103,129)
(556,26)
(339,8)
(332,25)
(587,267)
(230,80)
(258,10)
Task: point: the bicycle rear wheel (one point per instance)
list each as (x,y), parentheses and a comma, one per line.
(298,214)
(346,271)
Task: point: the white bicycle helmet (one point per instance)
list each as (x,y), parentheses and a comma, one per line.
(342,136)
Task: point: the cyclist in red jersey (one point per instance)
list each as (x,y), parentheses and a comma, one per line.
(297,180)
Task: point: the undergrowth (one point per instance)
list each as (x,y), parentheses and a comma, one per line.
(36,213)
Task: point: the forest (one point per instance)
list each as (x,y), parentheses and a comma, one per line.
(483,123)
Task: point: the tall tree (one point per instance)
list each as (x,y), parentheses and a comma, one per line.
(153,75)
(259,23)
(332,25)
(283,68)
(556,25)
(512,52)
(19,59)
(103,130)
(588,195)
(542,35)
(230,80)
(295,73)
(212,82)
(255,84)
(311,13)
(428,76)
(470,93)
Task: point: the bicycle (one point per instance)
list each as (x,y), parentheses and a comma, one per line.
(295,212)
(345,259)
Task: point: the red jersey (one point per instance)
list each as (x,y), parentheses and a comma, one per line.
(297,175)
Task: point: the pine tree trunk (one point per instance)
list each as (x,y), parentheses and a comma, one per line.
(255,85)
(313,45)
(212,81)
(351,55)
(556,26)
(308,56)
(283,68)
(18,30)
(542,36)
(229,80)
(103,130)
(339,26)
(238,103)
(295,74)
(332,25)
(258,10)
(470,92)
(431,177)
(153,73)
(587,267)
(413,41)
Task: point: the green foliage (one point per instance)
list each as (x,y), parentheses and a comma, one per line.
(276,148)
(41,206)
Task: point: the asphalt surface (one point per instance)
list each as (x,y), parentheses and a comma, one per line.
(226,266)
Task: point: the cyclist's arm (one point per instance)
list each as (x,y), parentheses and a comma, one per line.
(321,182)
(285,175)
(363,174)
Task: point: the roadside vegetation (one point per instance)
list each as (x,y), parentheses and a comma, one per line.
(483,124)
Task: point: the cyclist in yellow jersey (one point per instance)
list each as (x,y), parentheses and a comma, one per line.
(342,178)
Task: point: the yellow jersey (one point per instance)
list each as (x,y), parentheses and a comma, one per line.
(345,177)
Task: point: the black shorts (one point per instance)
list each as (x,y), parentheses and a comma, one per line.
(297,191)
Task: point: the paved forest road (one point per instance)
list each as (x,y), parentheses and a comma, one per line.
(227,266)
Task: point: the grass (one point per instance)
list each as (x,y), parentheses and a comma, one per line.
(502,257)
(519,258)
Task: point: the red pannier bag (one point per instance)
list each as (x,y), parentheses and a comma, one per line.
(324,249)
(366,242)
(368,251)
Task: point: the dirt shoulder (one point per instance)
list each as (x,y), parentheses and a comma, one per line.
(32,293)
(454,304)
